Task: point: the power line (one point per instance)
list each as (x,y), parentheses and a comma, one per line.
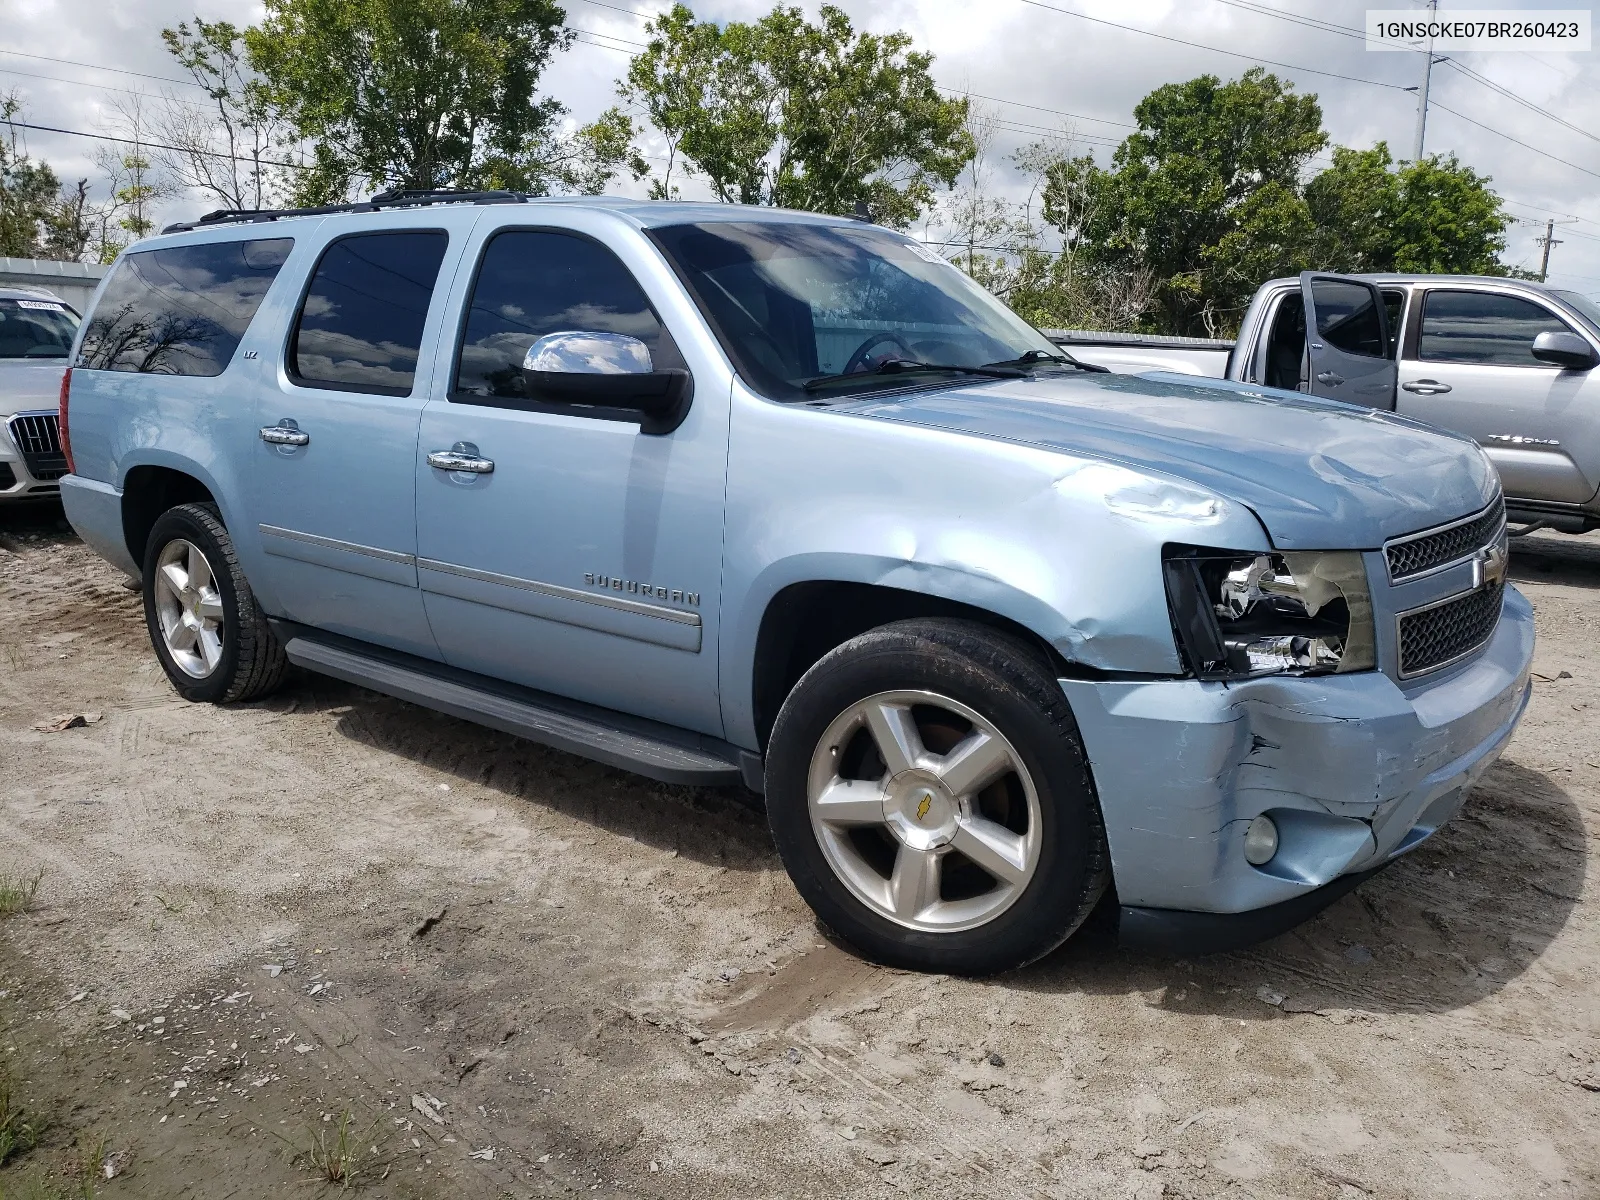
(1515,140)
(603,46)
(1462,68)
(1214,49)
(1311,22)
(611,36)
(106,137)
(1036,107)
(1510,95)
(106,87)
(97,67)
(618,8)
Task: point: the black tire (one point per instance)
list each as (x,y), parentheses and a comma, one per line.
(252,663)
(1010,685)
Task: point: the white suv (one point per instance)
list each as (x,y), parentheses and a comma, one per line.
(36,332)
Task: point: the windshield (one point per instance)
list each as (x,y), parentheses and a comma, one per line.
(1587,308)
(794,303)
(36,328)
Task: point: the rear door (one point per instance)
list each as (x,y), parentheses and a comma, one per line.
(1347,340)
(334,482)
(1469,367)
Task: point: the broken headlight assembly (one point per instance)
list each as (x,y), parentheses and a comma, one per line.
(1242,615)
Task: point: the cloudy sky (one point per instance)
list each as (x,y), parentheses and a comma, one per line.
(1045,66)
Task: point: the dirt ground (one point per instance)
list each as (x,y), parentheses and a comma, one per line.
(505,971)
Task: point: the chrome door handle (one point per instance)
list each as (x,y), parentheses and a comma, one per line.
(463,456)
(1329,378)
(285,433)
(1426,387)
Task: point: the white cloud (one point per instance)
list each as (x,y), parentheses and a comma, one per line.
(1021,53)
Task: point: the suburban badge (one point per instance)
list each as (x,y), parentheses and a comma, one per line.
(633,587)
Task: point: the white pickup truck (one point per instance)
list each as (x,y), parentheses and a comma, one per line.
(1508,362)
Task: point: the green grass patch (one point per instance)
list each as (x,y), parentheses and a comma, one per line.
(17,892)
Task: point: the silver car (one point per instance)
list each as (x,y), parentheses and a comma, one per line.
(36,333)
(1508,362)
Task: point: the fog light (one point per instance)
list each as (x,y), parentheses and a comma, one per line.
(1260,841)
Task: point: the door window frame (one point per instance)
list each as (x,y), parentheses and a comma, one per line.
(1261,336)
(1419,304)
(440,285)
(595,412)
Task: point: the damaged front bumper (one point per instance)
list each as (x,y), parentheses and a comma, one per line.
(1355,770)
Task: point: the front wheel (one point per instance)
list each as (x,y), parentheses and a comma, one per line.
(210,636)
(929,795)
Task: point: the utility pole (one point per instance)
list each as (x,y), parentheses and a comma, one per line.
(1549,239)
(1422,90)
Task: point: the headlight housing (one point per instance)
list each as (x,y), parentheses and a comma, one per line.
(1239,615)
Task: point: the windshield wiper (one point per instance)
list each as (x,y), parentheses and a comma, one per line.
(1063,359)
(902,366)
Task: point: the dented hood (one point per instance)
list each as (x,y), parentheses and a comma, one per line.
(1319,475)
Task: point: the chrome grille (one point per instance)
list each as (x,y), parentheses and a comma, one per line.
(1420,553)
(1440,634)
(38,438)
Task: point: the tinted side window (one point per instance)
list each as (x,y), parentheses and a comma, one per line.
(360,325)
(1482,327)
(180,311)
(534,282)
(1347,318)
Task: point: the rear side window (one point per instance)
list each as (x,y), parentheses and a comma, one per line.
(1347,318)
(534,282)
(182,310)
(360,325)
(1483,327)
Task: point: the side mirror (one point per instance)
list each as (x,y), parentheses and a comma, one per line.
(1566,350)
(607,371)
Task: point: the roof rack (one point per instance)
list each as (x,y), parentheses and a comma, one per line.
(394,198)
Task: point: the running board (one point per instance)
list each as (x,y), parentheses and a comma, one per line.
(646,748)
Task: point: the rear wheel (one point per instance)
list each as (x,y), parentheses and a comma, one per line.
(210,636)
(928,792)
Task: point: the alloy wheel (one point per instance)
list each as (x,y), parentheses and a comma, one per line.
(189,608)
(924,810)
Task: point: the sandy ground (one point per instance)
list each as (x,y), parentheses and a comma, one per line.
(510,972)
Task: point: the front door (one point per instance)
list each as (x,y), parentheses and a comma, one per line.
(1347,341)
(1471,369)
(582,557)
(334,481)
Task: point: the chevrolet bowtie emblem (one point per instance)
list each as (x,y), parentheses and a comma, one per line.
(922,809)
(1489,567)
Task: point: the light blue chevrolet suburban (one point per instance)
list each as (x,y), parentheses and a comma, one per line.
(727,496)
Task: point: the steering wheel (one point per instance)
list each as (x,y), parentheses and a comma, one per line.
(858,360)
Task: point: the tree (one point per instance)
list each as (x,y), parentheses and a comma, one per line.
(788,113)
(39,218)
(1205,194)
(1435,215)
(136,182)
(28,191)
(426,94)
(230,147)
